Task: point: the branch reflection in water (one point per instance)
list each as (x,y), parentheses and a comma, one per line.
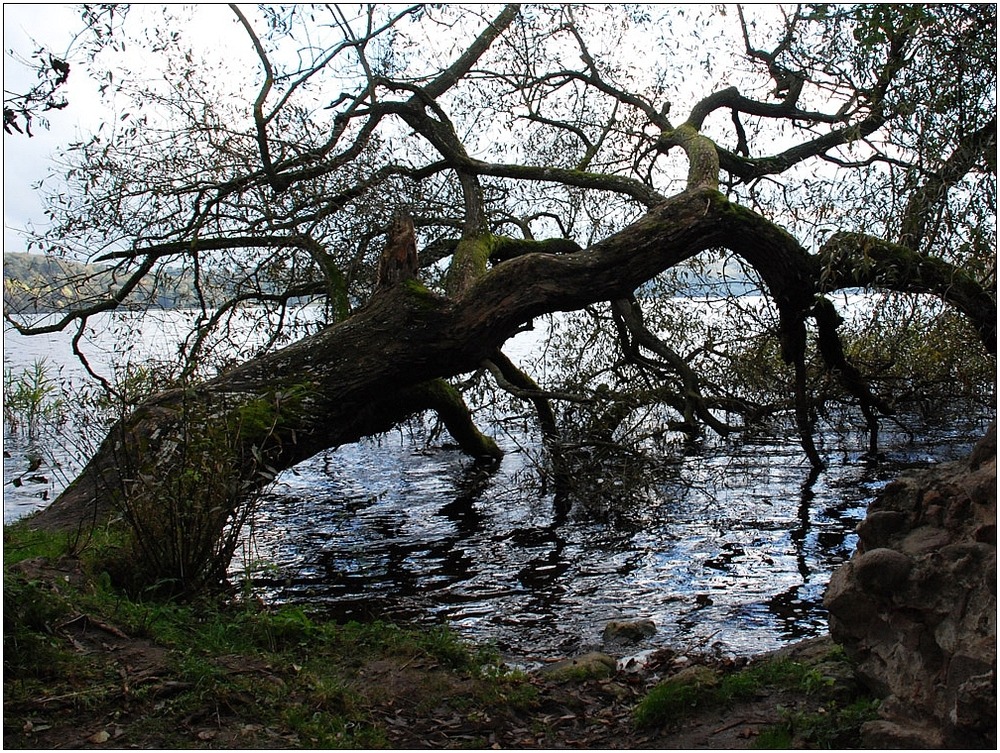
(734,546)
(738,559)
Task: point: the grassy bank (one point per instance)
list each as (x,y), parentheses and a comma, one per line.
(86,666)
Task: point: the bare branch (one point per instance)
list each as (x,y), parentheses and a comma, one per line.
(258,106)
(973,149)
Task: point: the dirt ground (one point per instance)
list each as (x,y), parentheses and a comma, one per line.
(129,703)
(587,714)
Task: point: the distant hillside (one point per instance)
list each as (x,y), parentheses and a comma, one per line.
(39,283)
(35,282)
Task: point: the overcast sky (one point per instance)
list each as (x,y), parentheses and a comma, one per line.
(26,160)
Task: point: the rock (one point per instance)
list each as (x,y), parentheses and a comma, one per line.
(976,704)
(915,607)
(592,666)
(985,449)
(892,736)
(806,651)
(628,631)
(882,570)
(924,539)
(695,676)
(876,529)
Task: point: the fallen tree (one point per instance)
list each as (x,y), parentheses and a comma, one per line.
(289,210)
(363,376)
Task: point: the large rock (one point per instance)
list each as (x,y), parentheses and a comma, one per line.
(916,605)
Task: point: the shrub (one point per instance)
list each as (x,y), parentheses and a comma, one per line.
(186,508)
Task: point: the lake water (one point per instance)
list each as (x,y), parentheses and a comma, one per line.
(732,550)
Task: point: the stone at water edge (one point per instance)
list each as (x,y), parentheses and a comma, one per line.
(916,605)
(628,631)
(591,666)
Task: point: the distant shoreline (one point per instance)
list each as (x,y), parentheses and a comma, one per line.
(46,284)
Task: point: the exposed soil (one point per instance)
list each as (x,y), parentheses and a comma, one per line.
(412,703)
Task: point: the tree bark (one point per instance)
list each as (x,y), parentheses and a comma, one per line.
(362,376)
(857,260)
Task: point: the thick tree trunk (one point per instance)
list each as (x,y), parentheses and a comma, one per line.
(364,375)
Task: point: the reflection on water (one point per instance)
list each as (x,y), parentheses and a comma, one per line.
(734,548)
(734,552)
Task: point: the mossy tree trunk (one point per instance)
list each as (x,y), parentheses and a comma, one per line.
(362,376)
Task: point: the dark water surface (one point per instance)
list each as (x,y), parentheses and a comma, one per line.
(733,554)
(732,549)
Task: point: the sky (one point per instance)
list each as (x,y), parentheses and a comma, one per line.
(29,160)
(25,160)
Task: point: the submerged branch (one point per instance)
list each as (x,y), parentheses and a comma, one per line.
(526,393)
(629,313)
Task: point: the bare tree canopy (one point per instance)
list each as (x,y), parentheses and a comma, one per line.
(436,177)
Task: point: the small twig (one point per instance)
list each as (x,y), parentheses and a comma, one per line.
(68,696)
(734,723)
(107,628)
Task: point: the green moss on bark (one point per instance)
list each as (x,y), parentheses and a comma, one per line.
(703,158)
(468,264)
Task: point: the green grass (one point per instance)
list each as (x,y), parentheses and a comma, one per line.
(21,543)
(31,397)
(669,701)
(280,677)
